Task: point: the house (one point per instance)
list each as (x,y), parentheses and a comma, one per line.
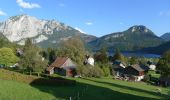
(19,52)
(118,68)
(164,81)
(151,65)
(135,72)
(89,60)
(62,66)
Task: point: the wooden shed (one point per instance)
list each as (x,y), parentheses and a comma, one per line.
(63,66)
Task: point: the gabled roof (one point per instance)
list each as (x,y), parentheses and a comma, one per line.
(59,62)
(137,67)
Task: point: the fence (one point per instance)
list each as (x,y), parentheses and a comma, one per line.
(79,94)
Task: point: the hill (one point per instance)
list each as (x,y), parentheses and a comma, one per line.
(43,32)
(86,88)
(166,36)
(158,49)
(135,38)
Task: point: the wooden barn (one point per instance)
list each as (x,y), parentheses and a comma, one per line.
(62,66)
(135,72)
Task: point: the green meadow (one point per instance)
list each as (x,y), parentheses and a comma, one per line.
(84,89)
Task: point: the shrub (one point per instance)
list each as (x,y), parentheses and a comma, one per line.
(92,71)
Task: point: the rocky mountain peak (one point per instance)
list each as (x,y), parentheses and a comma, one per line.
(139,28)
(19,27)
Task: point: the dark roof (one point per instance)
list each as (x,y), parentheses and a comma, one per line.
(145,68)
(117,62)
(137,67)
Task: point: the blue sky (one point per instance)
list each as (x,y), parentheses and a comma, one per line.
(96,17)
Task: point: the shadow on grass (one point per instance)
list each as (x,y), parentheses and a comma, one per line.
(163,96)
(86,91)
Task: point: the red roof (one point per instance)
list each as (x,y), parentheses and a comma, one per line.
(57,63)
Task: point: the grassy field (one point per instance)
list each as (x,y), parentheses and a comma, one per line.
(87,89)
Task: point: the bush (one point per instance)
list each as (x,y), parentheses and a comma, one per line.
(106,68)
(91,71)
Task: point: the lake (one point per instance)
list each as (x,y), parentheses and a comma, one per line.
(137,54)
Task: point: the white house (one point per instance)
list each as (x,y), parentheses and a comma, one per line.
(89,60)
(152,67)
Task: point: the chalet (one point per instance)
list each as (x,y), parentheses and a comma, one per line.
(118,68)
(135,72)
(62,66)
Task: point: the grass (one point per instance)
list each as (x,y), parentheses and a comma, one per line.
(11,90)
(86,88)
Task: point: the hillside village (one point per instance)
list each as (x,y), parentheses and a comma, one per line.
(84,50)
(77,63)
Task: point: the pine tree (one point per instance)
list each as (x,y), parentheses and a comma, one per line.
(118,56)
(164,64)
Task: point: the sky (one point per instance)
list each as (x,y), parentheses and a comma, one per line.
(95,17)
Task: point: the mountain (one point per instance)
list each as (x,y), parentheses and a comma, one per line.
(43,32)
(158,49)
(135,38)
(166,36)
(2,36)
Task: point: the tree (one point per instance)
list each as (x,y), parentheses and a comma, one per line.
(31,60)
(106,68)
(74,49)
(44,54)
(91,71)
(7,57)
(52,55)
(101,56)
(118,56)
(164,64)
(133,60)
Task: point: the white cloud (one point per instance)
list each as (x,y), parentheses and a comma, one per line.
(80,30)
(89,23)
(121,23)
(27,5)
(2,13)
(164,13)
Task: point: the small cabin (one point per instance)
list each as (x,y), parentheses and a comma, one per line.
(63,66)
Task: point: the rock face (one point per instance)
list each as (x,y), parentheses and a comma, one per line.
(18,28)
(135,38)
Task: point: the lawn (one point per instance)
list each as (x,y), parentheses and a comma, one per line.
(85,88)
